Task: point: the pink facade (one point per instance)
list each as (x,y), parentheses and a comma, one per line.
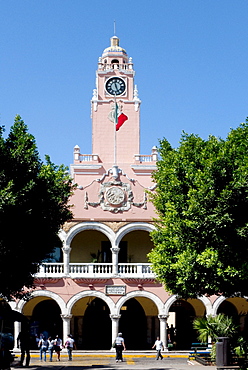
(100,280)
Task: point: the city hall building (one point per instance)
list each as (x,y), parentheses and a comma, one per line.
(100,281)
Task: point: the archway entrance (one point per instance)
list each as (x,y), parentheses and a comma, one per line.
(46,319)
(184,334)
(133,325)
(96,330)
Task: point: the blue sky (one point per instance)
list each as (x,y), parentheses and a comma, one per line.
(190,58)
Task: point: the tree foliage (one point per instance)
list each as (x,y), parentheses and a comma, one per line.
(214,327)
(201,241)
(33,206)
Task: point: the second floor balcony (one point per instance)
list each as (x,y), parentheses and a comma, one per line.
(90,254)
(95,270)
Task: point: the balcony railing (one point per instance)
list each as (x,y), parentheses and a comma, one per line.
(90,269)
(95,270)
(51,270)
(134,269)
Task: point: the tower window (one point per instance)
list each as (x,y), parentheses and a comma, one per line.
(115,61)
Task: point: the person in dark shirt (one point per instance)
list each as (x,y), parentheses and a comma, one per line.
(23,341)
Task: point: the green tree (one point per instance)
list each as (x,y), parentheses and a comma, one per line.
(214,327)
(33,206)
(201,241)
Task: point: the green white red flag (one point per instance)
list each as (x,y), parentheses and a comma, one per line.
(119,117)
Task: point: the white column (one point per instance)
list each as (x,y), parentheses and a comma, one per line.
(115,252)
(66,326)
(163,330)
(115,326)
(66,254)
(17,329)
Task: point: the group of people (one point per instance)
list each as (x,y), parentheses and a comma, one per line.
(55,345)
(45,345)
(50,345)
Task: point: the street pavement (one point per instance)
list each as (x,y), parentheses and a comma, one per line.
(106,361)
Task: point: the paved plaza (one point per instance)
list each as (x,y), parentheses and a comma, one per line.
(107,362)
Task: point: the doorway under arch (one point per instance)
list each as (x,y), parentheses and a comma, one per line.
(96,326)
(133,325)
(183,331)
(46,319)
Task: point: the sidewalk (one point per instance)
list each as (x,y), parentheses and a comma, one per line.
(136,360)
(35,354)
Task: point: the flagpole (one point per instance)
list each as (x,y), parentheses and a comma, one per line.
(115,123)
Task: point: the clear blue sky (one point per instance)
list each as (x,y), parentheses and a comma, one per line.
(190,57)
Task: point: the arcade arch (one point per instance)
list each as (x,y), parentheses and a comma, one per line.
(235,307)
(44,310)
(96,242)
(97,226)
(91,321)
(181,314)
(139,318)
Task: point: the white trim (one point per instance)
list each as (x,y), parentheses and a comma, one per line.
(88,293)
(206,302)
(44,293)
(217,304)
(106,230)
(133,226)
(137,293)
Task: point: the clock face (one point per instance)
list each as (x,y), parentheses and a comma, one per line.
(115,86)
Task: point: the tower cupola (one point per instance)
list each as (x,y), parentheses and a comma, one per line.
(115,55)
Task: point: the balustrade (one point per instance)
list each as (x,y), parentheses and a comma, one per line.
(103,270)
(145,158)
(88,158)
(50,269)
(108,66)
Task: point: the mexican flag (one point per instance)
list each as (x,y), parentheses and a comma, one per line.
(119,117)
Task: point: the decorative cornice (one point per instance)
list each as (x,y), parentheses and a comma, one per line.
(139,281)
(43,281)
(89,281)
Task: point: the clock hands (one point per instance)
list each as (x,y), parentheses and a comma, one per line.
(115,86)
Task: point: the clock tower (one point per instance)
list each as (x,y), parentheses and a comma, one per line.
(115,90)
(114,178)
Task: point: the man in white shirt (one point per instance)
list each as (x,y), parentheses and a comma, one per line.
(119,347)
(159,347)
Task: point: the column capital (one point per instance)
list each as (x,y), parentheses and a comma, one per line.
(114,316)
(163,317)
(66,317)
(66,250)
(115,250)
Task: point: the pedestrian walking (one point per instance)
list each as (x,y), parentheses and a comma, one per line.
(23,341)
(119,347)
(58,346)
(50,348)
(70,345)
(159,347)
(43,345)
